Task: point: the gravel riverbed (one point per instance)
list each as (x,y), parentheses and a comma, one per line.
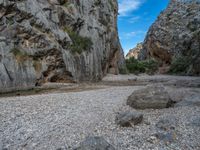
(62,120)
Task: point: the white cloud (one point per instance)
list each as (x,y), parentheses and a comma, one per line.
(132,34)
(134,19)
(126,6)
(129,35)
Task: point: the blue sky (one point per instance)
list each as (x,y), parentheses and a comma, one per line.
(135,18)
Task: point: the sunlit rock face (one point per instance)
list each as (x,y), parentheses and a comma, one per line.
(176,33)
(135,51)
(57,41)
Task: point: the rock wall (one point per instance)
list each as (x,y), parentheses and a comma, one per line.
(135,51)
(176,33)
(57,41)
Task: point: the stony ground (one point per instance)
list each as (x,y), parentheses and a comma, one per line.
(61,120)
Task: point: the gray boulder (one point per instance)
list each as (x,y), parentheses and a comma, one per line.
(153,96)
(126,119)
(95,143)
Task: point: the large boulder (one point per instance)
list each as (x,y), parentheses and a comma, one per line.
(153,96)
(95,143)
(126,119)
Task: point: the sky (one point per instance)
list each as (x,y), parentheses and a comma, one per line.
(135,18)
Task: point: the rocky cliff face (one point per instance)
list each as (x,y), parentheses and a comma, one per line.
(135,51)
(175,34)
(57,41)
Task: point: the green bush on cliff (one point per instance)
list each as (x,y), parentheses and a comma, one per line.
(97,3)
(111,4)
(16,52)
(146,66)
(180,65)
(19,55)
(79,43)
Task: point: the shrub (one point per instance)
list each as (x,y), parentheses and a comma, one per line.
(19,55)
(136,66)
(97,3)
(123,70)
(151,66)
(66,4)
(180,65)
(79,43)
(111,4)
(62,2)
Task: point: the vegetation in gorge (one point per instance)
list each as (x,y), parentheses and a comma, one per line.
(147,66)
(123,70)
(183,65)
(188,62)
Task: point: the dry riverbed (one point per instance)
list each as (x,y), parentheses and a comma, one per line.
(63,117)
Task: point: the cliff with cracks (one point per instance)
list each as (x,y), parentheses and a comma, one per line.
(174,38)
(57,41)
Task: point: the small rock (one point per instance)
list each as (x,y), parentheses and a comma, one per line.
(153,96)
(167,127)
(147,122)
(167,124)
(152,139)
(95,143)
(126,119)
(167,138)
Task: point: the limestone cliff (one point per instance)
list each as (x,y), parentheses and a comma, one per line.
(57,41)
(135,51)
(175,34)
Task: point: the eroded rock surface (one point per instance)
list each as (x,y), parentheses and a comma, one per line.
(135,51)
(57,41)
(175,34)
(153,96)
(126,119)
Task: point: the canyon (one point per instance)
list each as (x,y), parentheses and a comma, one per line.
(65,85)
